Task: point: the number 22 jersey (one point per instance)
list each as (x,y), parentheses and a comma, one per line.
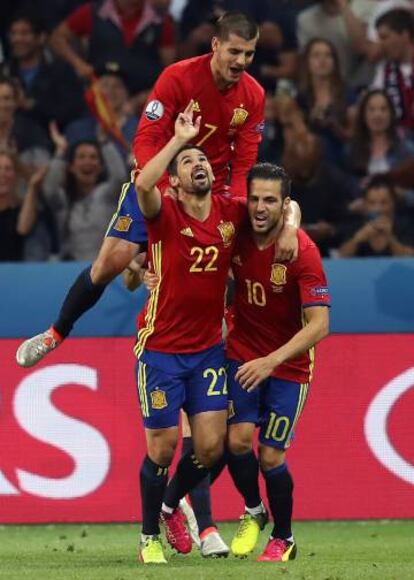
(191,258)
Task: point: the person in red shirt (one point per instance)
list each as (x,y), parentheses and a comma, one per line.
(279,313)
(133,33)
(231,129)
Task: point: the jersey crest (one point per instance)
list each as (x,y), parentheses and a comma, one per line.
(239,117)
(158,399)
(227,231)
(278,274)
(123,223)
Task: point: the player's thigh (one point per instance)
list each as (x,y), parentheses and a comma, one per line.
(209,433)
(185,425)
(161,396)
(114,256)
(281,406)
(244,407)
(206,384)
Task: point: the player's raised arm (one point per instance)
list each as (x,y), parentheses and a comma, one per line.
(149,196)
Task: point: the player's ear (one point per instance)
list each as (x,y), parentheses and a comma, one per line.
(214,43)
(174,180)
(286,202)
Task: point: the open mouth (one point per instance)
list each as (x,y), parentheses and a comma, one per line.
(199,175)
(235,71)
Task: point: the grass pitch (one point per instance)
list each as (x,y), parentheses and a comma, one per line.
(326,551)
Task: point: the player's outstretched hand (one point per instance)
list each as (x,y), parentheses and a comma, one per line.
(252,373)
(186,128)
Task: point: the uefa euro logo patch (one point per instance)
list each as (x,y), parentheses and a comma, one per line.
(278,274)
(158,399)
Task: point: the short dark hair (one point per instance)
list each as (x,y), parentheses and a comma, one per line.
(236,23)
(398,20)
(381,181)
(173,164)
(28,15)
(273,173)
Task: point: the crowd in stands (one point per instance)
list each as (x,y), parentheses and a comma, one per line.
(339,78)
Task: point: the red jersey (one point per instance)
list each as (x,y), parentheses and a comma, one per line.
(232,120)
(184,313)
(269,302)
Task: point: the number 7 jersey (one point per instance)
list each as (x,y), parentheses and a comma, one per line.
(184,313)
(231,121)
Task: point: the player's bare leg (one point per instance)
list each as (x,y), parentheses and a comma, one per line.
(244,469)
(114,256)
(281,546)
(161,445)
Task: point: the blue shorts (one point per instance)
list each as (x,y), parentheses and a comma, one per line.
(128,222)
(170,382)
(275,406)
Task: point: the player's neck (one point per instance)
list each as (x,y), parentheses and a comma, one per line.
(197,207)
(269,238)
(219,81)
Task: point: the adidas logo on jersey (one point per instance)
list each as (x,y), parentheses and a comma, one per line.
(187,232)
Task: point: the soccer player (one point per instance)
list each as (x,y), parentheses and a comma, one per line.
(279,313)
(179,344)
(232,105)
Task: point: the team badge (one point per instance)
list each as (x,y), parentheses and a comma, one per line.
(196,107)
(230,409)
(278,274)
(158,399)
(123,223)
(227,231)
(239,117)
(154,110)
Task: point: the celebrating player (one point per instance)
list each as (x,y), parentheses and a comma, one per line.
(232,105)
(179,346)
(279,313)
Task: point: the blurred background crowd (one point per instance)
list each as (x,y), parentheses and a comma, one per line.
(339,77)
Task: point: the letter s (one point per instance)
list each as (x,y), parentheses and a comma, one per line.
(87,447)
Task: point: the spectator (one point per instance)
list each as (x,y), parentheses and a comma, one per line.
(321,190)
(379,232)
(82,199)
(16,219)
(49,90)
(113,86)
(396,73)
(323,96)
(23,136)
(376,146)
(198,19)
(130,32)
(326,20)
(271,146)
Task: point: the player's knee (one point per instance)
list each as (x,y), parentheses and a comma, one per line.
(210,452)
(269,457)
(104,269)
(161,448)
(239,443)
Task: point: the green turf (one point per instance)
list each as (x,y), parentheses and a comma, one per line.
(327,551)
